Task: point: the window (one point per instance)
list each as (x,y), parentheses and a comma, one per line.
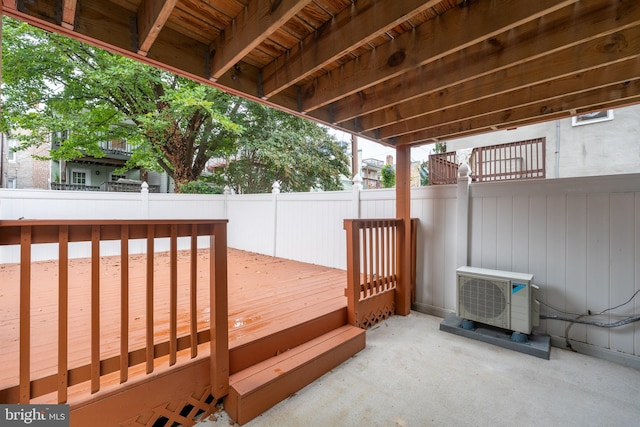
(12,183)
(595,117)
(11,155)
(115,177)
(79,177)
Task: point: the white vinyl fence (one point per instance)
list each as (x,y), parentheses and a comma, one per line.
(579,237)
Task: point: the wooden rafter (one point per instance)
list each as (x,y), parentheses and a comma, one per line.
(259,20)
(396,72)
(554,70)
(354,26)
(556,93)
(431,41)
(69,13)
(558,31)
(152,16)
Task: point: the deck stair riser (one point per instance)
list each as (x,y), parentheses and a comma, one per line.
(261,386)
(249,350)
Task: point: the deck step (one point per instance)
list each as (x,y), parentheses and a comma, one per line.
(261,386)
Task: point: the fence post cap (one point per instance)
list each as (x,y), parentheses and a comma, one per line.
(463,170)
(144,187)
(275,187)
(357,182)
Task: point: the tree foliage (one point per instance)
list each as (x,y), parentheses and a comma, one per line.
(53,84)
(276,146)
(388,176)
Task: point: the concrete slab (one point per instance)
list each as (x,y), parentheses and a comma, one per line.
(536,344)
(413,374)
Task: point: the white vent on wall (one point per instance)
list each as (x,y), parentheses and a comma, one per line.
(498,298)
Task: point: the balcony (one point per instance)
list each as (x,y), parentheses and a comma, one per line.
(115,186)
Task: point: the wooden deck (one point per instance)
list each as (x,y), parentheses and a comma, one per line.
(266,295)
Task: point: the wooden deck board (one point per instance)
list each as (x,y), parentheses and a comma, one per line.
(266,294)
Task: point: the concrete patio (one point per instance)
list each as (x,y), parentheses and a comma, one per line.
(412,374)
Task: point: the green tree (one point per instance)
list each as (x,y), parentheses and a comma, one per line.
(423,169)
(280,147)
(388,176)
(56,85)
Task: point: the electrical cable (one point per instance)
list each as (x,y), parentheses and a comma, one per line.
(622,322)
(580,318)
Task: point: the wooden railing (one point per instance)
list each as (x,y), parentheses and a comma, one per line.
(443,168)
(27,233)
(514,160)
(373,248)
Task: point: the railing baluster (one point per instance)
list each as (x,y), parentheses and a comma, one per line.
(364,272)
(388,270)
(25,314)
(379,274)
(124,303)
(370,282)
(149,299)
(193,292)
(63,311)
(173,295)
(95,308)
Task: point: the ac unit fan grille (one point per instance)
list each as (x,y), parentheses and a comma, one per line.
(483,298)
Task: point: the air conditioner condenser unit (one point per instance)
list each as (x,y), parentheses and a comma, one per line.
(498,298)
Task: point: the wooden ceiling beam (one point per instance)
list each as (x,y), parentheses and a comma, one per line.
(359,24)
(249,29)
(616,73)
(152,16)
(558,31)
(69,13)
(457,29)
(619,103)
(620,46)
(619,94)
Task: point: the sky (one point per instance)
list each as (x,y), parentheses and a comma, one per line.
(373,150)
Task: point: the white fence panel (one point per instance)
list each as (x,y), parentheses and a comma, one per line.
(310,227)
(378,204)
(251,222)
(435,209)
(580,240)
(186,206)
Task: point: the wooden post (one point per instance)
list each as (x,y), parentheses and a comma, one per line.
(403,212)
(353,270)
(219,368)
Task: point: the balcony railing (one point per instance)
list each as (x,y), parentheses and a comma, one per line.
(161,332)
(122,187)
(371,183)
(443,168)
(515,160)
(74,187)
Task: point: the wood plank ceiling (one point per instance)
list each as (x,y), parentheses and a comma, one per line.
(396,71)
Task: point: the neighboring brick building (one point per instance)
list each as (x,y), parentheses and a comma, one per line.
(21,169)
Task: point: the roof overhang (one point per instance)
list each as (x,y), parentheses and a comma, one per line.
(405,72)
